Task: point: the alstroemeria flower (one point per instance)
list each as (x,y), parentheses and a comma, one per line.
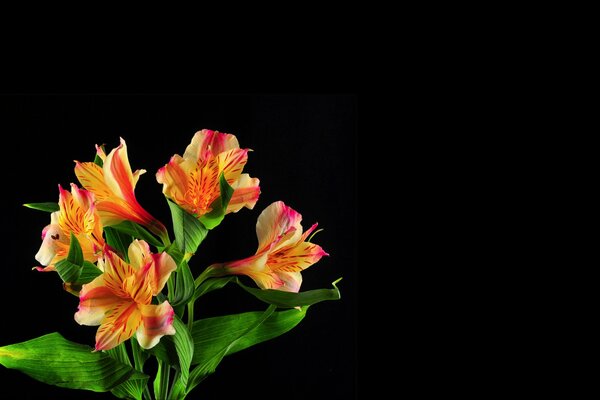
(192,181)
(120,299)
(282,251)
(77,215)
(113,185)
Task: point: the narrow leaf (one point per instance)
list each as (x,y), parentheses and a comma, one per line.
(75,255)
(68,271)
(289,299)
(210,285)
(219,206)
(138,232)
(48,207)
(189,232)
(56,361)
(119,241)
(212,334)
(184,285)
(133,388)
(209,363)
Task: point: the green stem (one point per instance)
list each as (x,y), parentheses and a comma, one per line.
(163,383)
(190,309)
(139,364)
(209,272)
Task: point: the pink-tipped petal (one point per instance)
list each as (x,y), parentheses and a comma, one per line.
(274,223)
(157,321)
(246,191)
(95,299)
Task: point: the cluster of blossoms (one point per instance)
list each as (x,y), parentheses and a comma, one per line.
(124,297)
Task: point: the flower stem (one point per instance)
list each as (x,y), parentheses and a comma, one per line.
(160,390)
(190,309)
(139,364)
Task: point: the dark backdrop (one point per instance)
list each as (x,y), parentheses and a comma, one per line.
(304,154)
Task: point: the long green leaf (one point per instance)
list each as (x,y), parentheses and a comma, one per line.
(177,351)
(212,334)
(210,285)
(184,285)
(219,206)
(288,299)
(189,232)
(137,231)
(48,207)
(218,350)
(119,241)
(131,388)
(56,361)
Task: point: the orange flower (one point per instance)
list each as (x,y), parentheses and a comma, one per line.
(120,300)
(282,251)
(192,181)
(77,215)
(113,185)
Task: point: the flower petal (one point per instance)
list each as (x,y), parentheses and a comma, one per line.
(157,321)
(119,324)
(291,281)
(138,253)
(53,244)
(95,299)
(274,223)
(231,163)
(159,271)
(207,144)
(245,193)
(117,172)
(295,258)
(174,179)
(91,177)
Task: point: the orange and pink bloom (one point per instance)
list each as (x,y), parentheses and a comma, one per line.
(113,184)
(282,254)
(78,215)
(120,300)
(192,181)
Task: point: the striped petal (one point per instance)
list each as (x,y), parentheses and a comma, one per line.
(174,179)
(119,324)
(157,321)
(117,172)
(295,258)
(91,178)
(245,193)
(278,225)
(231,163)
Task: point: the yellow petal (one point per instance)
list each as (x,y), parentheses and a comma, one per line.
(119,324)
(278,225)
(246,191)
(95,299)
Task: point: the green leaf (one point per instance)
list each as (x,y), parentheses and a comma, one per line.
(219,206)
(88,272)
(75,255)
(119,241)
(210,285)
(219,348)
(48,207)
(211,334)
(184,285)
(189,232)
(289,300)
(137,231)
(131,388)
(174,251)
(56,361)
(176,351)
(74,269)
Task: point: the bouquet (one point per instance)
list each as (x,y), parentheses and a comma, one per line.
(139,285)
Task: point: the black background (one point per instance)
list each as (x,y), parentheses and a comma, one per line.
(304,154)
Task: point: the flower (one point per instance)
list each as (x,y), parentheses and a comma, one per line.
(113,185)
(120,299)
(192,181)
(282,251)
(78,215)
